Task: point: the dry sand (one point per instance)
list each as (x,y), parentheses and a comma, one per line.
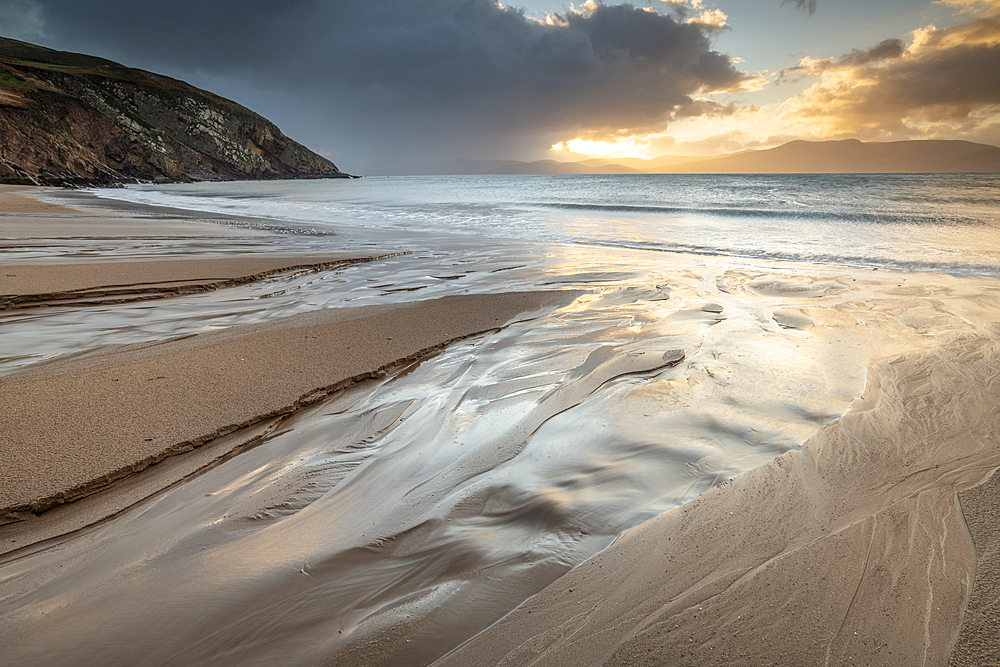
(18,200)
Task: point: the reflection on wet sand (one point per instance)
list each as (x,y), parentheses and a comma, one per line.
(395,520)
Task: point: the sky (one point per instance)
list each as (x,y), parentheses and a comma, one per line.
(383,86)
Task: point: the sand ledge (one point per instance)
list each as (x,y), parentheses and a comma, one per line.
(92,421)
(113,282)
(28,511)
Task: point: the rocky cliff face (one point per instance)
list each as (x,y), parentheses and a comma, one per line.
(69,119)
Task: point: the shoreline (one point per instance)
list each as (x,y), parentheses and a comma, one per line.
(705,583)
(26,220)
(55,406)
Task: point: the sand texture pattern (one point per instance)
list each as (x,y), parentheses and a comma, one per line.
(853,550)
(72,428)
(396,519)
(99,283)
(978,642)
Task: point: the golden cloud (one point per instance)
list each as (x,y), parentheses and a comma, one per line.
(977,7)
(944,78)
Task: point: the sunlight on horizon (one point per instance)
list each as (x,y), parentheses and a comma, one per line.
(626,147)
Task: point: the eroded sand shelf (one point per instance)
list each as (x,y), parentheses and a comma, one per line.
(101,283)
(91,421)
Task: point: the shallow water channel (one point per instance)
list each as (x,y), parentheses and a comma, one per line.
(429,503)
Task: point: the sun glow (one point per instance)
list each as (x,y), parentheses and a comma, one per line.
(640,146)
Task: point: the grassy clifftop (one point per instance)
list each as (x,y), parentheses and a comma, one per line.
(71,119)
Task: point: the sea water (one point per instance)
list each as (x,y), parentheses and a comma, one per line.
(433,501)
(920,222)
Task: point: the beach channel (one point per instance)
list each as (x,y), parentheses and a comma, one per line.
(228,441)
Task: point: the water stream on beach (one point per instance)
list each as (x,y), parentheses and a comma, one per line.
(396,519)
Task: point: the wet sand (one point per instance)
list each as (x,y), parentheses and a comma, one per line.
(89,422)
(24,219)
(108,282)
(73,428)
(873,544)
(853,550)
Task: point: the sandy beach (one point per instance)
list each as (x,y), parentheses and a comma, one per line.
(92,421)
(854,550)
(84,422)
(872,543)
(26,221)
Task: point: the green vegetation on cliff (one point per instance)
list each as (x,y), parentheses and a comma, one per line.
(71,119)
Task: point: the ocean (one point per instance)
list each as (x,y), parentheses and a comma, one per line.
(913,222)
(443,495)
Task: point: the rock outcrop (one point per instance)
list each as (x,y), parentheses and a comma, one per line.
(71,119)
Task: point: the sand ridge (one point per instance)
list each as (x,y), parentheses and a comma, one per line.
(977,640)
(99,283)
(91,421)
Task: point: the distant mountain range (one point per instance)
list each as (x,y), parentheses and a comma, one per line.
(796,157)
(71,119)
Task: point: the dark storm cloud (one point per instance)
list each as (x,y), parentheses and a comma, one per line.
(888,49)
(802,4)
(20,19)
(884,50)
(416,76)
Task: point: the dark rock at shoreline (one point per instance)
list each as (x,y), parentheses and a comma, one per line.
(74,120)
